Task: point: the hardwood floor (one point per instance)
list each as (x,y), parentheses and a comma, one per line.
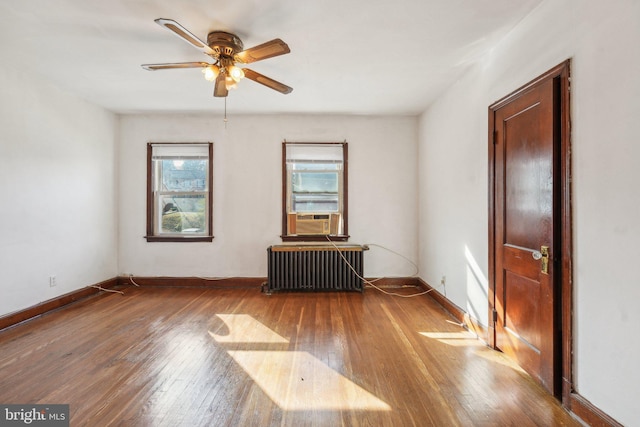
(237,357)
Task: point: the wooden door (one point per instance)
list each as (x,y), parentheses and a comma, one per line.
(526,229)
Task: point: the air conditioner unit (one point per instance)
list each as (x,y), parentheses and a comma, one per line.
(307,224)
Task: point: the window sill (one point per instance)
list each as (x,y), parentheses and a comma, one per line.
(182,239)
(315,238)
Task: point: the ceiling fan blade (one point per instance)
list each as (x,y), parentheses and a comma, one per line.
(185,35)
(153,67)
(268,82)
(220,89)
(266,50)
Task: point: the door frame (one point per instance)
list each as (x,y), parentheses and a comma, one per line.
(562,172)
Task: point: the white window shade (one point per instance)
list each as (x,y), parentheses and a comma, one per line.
(172,151)
(330,153)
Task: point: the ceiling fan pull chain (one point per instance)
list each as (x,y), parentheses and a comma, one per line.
(225,112)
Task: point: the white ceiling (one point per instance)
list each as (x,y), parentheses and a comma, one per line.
(347,56)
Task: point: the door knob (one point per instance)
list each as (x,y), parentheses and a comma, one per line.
(536,255)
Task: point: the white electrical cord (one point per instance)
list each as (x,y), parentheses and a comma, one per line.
(107,290)
(370,282)
(415,274)
(132,282)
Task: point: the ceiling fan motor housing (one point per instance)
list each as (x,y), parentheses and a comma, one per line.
(225,44)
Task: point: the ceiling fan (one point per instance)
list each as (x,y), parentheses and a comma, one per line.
(226,49)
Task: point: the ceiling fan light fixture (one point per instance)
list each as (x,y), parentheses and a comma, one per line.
(236,73)
(230,82)
(211,72)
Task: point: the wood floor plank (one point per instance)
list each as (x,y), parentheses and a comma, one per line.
(200,357)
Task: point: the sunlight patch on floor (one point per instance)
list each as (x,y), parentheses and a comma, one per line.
(242,328)
(295,380)
(496,356)
(457,339)
(468,339)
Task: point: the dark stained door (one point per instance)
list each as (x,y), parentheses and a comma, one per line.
(525,225)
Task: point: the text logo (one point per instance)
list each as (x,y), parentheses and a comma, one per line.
(34,415)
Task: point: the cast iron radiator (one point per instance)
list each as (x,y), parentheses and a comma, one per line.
(314,268)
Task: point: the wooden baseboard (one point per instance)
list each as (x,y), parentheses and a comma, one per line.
(589,413)
(164,281)
(55,303)
(243,282)
(392,282)
(231,282)
(459,314)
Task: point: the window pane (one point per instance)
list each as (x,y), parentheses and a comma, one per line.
(182,174)
(315,203)
(314,182)
(183,213)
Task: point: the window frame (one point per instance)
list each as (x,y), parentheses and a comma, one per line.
(151,236)
(343,187)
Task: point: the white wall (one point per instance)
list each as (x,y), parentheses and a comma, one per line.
(57,180)
(248,184)
(453,198)
(601,39)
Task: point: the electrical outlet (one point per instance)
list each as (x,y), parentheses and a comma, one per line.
(52,281)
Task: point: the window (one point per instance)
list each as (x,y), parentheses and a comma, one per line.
(314,177)
(179,192)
